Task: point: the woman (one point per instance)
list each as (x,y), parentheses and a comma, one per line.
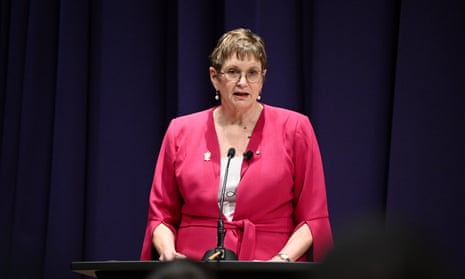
(275,206)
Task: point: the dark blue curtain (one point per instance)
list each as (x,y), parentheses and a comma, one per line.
(87,89)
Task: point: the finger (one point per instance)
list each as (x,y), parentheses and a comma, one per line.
(180,256)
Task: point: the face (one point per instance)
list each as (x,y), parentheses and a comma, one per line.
(238,93)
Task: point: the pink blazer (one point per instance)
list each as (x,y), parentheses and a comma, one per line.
(282,187)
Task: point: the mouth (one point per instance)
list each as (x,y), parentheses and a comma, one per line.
(241,94)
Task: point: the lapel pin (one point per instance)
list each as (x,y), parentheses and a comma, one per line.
(207,156)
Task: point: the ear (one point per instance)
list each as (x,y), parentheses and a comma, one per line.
(264,72)
(213,76)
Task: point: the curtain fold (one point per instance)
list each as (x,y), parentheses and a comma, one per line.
(67,194)
(87,89)
(427,162)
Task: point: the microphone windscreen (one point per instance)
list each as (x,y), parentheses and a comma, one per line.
(248,155)
(231,152)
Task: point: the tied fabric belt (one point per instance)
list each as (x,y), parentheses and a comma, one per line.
(248,228)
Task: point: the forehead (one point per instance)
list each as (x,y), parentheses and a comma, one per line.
(248,60)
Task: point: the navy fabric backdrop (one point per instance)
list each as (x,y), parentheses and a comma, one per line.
(87,89)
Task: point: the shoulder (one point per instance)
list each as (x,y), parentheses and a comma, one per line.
(196,116)
(187,125)
(191,121)
(285,115)
(294,124)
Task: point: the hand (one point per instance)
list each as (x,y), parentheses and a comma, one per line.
(171,255)
(163,241)
(277,259)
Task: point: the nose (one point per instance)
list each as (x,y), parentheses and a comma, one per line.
(243,79)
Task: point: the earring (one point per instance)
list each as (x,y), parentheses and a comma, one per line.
(259,97)
(217,96)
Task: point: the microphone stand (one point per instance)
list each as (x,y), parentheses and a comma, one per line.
(220,253)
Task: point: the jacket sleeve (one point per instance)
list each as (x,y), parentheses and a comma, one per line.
(310,202)
(164,198)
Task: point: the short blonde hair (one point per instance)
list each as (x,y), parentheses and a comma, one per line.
(241,42)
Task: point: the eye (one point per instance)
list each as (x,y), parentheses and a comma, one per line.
(232,71)
(253,73)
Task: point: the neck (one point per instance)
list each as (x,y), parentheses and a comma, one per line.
(242,118)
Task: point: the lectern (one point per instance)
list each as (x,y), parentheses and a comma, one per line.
(224,269)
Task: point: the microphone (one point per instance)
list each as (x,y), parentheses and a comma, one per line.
(220,253)
(248,155)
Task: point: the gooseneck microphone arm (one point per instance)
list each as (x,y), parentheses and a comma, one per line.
(220,237)
(220,253)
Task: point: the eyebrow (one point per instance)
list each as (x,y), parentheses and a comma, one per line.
(255,67)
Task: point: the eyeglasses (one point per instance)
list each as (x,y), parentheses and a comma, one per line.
(251,76)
